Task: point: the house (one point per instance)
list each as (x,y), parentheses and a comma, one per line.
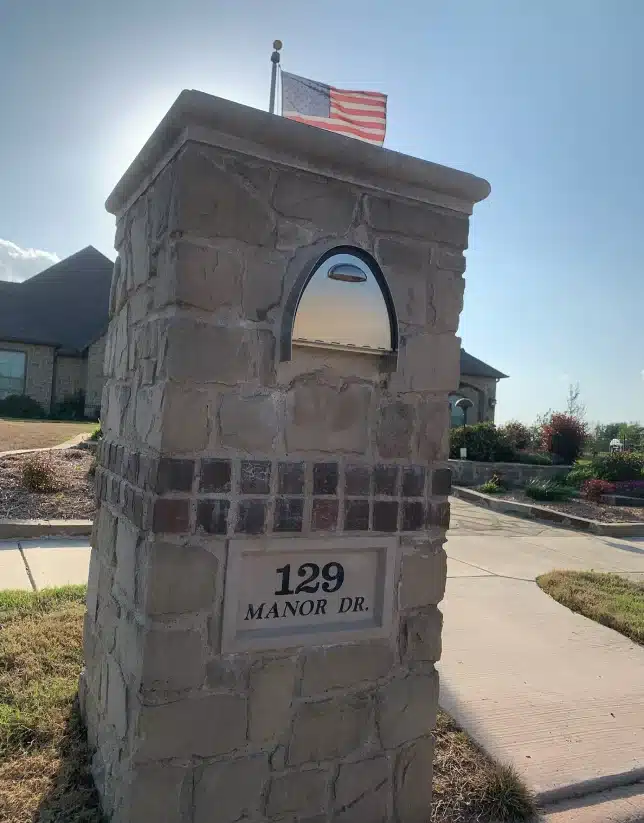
(52,340)
(52,331)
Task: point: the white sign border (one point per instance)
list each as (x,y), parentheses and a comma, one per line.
(231,642)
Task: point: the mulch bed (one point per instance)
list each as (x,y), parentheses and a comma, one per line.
(73,498)
(582,508)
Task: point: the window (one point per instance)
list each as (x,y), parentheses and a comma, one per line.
(12,372)
(457,416)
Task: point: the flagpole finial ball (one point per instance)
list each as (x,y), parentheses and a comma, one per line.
(277,44)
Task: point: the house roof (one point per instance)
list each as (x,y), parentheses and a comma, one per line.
(477,368)
(64,306)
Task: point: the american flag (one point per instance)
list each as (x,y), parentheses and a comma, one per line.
(361,114)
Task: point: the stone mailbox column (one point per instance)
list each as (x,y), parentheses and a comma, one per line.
(262,621)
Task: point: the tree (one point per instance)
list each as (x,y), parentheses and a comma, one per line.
(574,406)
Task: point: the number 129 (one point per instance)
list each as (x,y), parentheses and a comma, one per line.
(332,575)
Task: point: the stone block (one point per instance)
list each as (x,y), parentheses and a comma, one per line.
(249,424)
(128,538)
(427,363)
(327,203)
(433,429)
(184,420)
(441,482)
(204,277)
(417,220)
(402,255)
(178,579)
(192,727)
(263,282)
(104,535)
(362,792)
(231,790)
(407,709)
(116,709)
(174,475)
(271,688)
(394,429)
(209,201)
(322,419)
(332,728)
(422,578)
(450,260)
(171,515)
(301,793)
(159,793)
(413,781)
(421,636)
(445,301)
(341,667)
(173,659)
(205,353)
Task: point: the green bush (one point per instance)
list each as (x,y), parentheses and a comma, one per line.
(547,490)
(19,405)
(534,458)
(96,434)
(483,442)
(618,466)
(71,407)
(495,485)
(517,434)
(578,475)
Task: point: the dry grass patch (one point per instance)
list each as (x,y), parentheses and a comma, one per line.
(39,434)
(469,787)
(44,757)
(608,599)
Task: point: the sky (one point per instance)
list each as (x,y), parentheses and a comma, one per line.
(542,98)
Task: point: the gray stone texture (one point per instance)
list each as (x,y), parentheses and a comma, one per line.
(201,419)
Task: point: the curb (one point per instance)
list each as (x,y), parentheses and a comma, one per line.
(584,788)
(550,516)
(79,441)
(16,529)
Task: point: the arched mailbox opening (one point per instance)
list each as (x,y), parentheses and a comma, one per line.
(341,302)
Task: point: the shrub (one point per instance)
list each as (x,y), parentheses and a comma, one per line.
(578,475)
(517,434)
(483,442)
(618,466)
(564,436)
(38,475)
(534,458)
(634,488)
(97,434)
(547,490)
(71,407)
(19,405)
(594,489)
(494,485)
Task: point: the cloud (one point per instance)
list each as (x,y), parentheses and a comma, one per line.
(17,264)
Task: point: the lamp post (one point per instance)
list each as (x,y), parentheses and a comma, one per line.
(464,404)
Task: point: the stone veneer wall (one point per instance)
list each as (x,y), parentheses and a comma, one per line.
(40,370)
(207,438)
(516,475)
(94,380)
(69,377)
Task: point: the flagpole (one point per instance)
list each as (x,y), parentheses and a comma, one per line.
(275,58)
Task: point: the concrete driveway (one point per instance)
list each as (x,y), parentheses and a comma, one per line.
(558,695)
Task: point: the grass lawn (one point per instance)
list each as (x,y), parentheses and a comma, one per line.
(38,434)
(44,758)
(607,598)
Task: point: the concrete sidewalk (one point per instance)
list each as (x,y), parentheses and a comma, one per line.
(39,563)
(555,694)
